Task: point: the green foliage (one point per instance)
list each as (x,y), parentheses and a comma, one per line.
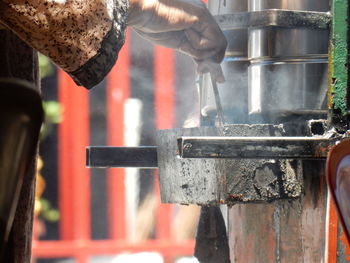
(45,66)
(53,116)
(47,212)
(52,111)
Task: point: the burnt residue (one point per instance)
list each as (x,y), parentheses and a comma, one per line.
(317,127)
(230,181)
(262,180)
(292,185)
(314,179)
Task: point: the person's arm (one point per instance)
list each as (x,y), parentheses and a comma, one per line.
(84,37)
(81,37)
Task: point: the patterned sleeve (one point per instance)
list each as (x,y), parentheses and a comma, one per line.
(82,37)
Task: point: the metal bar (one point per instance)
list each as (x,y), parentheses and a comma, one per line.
(74,183)
(118,89)
(254,147)
(219,110)
(274,18)
(107,157)
(338,66)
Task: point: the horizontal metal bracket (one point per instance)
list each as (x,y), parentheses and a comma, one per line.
(254,147)
(274,18)
(212,147)
(108,157)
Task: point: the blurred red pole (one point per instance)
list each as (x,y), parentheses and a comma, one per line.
(73,176)
(118,89)
(332,233)
(164,75)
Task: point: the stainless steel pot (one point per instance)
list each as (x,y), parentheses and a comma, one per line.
(280,43)
(288,66)
(282,89)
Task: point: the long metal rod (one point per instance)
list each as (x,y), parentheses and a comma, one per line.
(219,110)
(254,147)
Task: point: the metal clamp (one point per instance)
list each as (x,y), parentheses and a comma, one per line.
(274,18)
(254,147)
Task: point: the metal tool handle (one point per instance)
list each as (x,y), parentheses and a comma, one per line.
(219,110)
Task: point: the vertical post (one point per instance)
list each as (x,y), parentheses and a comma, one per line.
(18,60)
(118,89)
(338,104)
(338,66)
(74,178)
(164,72)
(332,232)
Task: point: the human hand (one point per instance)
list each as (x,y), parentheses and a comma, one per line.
(185,25)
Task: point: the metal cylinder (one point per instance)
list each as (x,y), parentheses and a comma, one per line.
(288,70)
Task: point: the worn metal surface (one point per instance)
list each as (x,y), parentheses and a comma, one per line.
(274,18)
(290,231)
(106,157)
(188,181)
(215,181)
(255,147)
(338,65)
